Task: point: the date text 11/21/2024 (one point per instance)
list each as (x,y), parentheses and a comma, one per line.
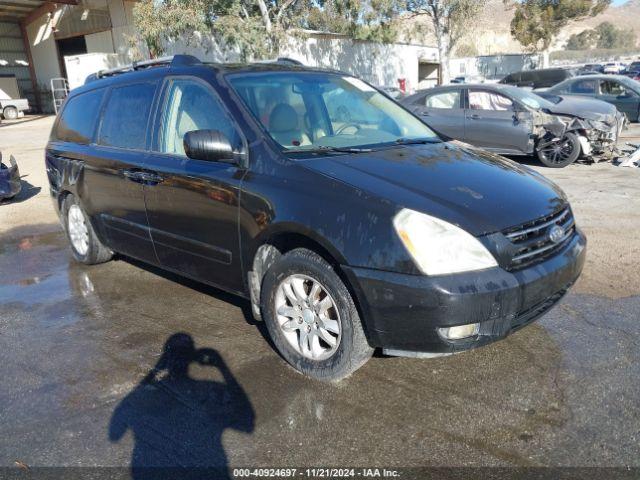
(315,472)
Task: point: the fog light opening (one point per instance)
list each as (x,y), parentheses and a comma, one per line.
(459,332)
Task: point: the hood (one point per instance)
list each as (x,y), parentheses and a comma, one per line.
(586,108)
(478,191)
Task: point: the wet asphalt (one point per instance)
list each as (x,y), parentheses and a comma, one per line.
(123,365)
(88,380)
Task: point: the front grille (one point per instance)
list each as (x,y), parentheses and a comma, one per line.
(534,241)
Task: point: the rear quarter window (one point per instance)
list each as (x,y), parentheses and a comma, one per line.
(78,118)
(530,76)
(555,76)
(126,116)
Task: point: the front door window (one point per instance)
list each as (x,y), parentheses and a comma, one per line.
(191,106)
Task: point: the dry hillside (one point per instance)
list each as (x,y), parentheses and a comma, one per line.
(492,34)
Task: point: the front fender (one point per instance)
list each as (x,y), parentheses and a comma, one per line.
(353,226)
(280,229)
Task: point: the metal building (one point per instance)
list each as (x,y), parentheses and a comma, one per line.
(36,35)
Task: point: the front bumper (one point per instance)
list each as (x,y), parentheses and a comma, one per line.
(603,143)
(403,312)
(10,183)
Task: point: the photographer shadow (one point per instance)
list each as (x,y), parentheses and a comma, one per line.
(177,421)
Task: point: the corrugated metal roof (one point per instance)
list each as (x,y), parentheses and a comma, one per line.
(17,10)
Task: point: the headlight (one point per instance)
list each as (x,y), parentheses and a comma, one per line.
(439,247)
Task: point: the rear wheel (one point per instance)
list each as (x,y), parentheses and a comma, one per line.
(312,318)
(85,245)
(10,113)
(561,153)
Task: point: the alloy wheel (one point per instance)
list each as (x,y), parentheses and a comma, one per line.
(308,317)
(559,151)
(78,232)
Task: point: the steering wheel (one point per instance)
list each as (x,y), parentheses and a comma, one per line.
(349,125)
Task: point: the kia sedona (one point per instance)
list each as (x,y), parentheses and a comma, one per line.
(346,222)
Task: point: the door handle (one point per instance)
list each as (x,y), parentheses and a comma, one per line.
(139,176)
(424,113)
(133,175)
(150,177)
(475,116)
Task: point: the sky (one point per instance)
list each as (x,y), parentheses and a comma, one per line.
(619,2)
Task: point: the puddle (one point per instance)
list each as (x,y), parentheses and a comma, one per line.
(76,342)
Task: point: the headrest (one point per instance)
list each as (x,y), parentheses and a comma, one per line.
(283,118)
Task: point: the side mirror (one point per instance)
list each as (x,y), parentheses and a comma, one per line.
(211,145)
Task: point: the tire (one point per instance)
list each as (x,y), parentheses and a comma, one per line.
(569,151)
(90,251)
(350,350)
(10,113)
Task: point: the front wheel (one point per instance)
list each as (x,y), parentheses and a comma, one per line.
(561,153)
(312,318)
(85,245)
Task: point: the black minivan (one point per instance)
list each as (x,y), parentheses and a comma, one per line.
(346,221)
(541,78)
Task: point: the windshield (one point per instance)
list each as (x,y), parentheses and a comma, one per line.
(316,110)
(631,83)
(529,99)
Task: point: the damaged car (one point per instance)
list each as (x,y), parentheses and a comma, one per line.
(10,184)
(344,234)
(512,121)
(620,91)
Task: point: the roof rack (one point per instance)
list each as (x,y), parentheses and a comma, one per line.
(172,61)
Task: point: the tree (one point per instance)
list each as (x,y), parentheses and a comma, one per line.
(258,28)
(255,28)
(451,21)
(606,36)
(537,23)
(610,36)
(166,21)
(585,40)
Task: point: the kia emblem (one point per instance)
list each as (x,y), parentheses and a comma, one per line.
(556,233)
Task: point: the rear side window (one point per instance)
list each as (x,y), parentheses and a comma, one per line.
(78,119)
(126,115)
(447,100)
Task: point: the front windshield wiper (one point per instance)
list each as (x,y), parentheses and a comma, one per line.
(417,141)
(325,149)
